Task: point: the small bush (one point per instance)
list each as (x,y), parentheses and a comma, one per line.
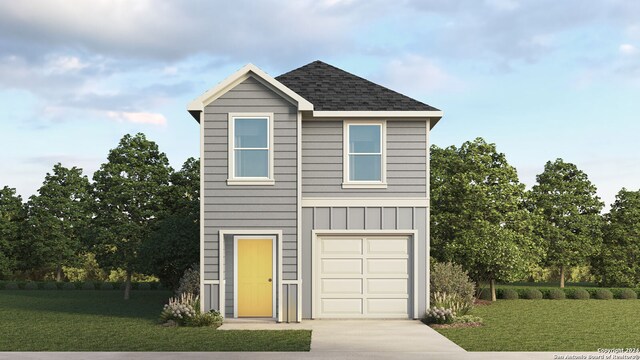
(180,309)
(31,286)
(557,294)
(451,278)
(581,294)
(438,316)
(50,285)
(628,294)
(454,302)
(106,286)
(603,294)
(147,286)
(68,286)
(510,294)
(209,318)
(11,286)
(467,319)
(532,294)
(190,281)
(88,285)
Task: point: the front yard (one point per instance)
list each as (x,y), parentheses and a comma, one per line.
(552,325)
(86,320)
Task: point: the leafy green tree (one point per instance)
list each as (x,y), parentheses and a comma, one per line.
(568,203)
(478,216)
(174,244)
(130,196)
(57,218)
(618,262)
(12,215)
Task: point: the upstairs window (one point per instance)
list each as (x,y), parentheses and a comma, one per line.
(250,150)
(364,155)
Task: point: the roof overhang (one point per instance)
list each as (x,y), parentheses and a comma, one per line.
(434,116)
(197,106)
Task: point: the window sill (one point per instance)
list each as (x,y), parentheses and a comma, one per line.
(251,182)
(355,185)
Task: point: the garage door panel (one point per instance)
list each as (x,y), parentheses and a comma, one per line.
(341,266)
(397,307)
(336,307)
(387,246)
(341,286)
(342,246)
(387,266)
(387,286)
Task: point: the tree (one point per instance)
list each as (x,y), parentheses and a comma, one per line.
(174,244)
(11,216)
(478,216)
(57,218)
(568,203)
(618,261)
(130,190)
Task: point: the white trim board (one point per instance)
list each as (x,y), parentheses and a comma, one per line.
(362,202)
(202,198)
(274,272)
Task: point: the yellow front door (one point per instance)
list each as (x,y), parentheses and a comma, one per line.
(255,282)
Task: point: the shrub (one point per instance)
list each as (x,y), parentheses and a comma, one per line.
(209,318)
(11,286)
(31,286)
(106,286)
(557,294)
(454,302)
(190,281)
(438,316)
(581,294)
(50,286)
(147,286)
(603,294)
(628,294)
(467,319)
(180,309)
(68,286)
(88,285)
(532,294)
(450,278)
(510,294)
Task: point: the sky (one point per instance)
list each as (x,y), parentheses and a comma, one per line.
(542,79)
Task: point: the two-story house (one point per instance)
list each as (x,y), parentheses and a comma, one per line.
(315,196)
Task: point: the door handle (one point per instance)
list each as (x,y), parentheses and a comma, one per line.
(269,279)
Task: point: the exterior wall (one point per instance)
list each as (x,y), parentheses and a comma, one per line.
(322,158)
(364,218)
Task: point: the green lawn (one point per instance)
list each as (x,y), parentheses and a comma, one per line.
(81,320)
(552,325)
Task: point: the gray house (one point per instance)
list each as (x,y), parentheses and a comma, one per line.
(315,196)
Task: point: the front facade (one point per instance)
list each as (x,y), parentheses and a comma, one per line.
(315,196)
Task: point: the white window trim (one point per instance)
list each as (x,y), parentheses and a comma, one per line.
(274,274)
(231,178)
(349,184)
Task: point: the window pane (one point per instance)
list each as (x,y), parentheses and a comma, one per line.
(252,163)
(251,133)
(364,139)
(364,168)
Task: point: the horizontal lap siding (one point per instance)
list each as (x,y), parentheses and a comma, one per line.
(322,156)
(249,207)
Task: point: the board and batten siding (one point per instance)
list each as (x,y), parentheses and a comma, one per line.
(322,157)
(250,207)
(363,218)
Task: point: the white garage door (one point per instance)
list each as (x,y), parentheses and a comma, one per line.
(362,277)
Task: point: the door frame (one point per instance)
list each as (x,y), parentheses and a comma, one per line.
(413,275)
(274,262)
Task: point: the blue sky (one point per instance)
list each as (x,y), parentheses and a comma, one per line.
(541,79)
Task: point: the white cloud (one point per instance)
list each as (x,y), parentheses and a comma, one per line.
(417,75)
(63,64)
(628,49)
(138,117)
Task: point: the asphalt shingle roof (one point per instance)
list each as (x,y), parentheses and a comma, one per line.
(331,89)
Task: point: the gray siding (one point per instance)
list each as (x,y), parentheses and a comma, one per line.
(289,302)
(211,297)
(249,207)
(363,218)
(322,160)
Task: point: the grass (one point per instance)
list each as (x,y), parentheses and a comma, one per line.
(551,325)
(102,321)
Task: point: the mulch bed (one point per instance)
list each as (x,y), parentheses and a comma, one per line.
(480,302)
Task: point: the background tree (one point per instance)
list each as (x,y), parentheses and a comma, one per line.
(618,261)
(130,195)
(567,201)
(11,216)
(174,244)
(57,218)
(478,216)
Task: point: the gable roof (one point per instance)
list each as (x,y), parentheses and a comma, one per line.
(331,89)
(197,105)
